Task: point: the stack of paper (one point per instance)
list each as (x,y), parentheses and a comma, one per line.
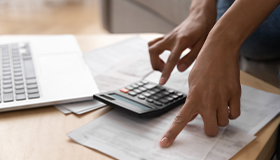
(79,107)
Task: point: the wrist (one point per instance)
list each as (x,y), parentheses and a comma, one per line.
(205,11)
(221,33)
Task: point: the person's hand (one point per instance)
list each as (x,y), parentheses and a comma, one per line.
(189,34)
(214,90)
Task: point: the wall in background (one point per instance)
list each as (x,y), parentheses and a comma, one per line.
(50,17)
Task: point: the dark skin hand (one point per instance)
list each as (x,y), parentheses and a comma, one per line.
(214,81)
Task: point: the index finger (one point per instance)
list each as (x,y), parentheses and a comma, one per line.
(180,121)
(171,63)
(155,50)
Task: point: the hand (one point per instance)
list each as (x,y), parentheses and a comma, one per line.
(189,34)
(214,90)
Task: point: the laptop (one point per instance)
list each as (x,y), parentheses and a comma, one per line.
(40,71)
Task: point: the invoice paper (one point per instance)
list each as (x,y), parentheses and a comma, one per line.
(126,137)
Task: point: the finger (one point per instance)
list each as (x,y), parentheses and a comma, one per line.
(180,121)
(171,63)
(234,106)
(152,42)
(188,59)
(155,50)
(210,123)
(222,115)
(193,117)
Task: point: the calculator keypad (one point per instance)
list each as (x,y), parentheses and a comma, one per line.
(152,93)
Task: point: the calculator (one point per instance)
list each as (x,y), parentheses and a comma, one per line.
(143,98)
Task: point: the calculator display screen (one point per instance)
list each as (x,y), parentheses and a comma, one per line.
(130,101)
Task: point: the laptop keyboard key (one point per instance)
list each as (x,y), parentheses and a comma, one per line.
(20,97)
(9,90)
(29,69)
(19,86)
(19,82)
(32,86)
(8,97)
(20,91)
(31,81)
(7,86)
(30,91)
(33,96)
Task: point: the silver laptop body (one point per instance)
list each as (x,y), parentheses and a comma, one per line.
(39,71)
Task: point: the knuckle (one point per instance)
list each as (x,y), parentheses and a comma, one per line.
(179,119)
(223,123)
(183,39)
(156,68)
(150,43)
(152,50)
(168,134)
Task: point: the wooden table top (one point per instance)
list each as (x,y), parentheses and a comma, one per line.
(40,133)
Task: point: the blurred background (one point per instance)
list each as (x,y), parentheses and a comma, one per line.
(109,16)
(50,17)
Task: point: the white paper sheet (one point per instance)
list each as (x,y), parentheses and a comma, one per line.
(103,59)
(81,107)
(62,109)
(126,137)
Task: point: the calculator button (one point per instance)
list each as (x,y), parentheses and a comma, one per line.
(154,97)
(165,93)
(170,99)
(146,94)
(144,82)
(161,88)
(140,84)
(175,96)
(164,101)
(141,97)
(149,100)
(137,91)
(170,91)
(124,90)
(156,90)
(142,89)
(180,94)
(134,86)
(132,93)
(129,88)
(160,95)
(152,92)
(157,103)
(150,86)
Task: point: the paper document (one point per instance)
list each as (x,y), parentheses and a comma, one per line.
(80,107)
(125,137)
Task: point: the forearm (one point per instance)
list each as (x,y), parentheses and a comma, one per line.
(242,19)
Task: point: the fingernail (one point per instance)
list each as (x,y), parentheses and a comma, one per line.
(163,142)
(161,81)
(182,67)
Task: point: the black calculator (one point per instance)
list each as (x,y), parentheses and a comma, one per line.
(143,98)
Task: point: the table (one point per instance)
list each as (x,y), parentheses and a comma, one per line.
(41,133)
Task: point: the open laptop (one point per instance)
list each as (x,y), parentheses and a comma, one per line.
(42,70)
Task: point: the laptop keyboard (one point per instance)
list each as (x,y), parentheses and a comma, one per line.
(18,79)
